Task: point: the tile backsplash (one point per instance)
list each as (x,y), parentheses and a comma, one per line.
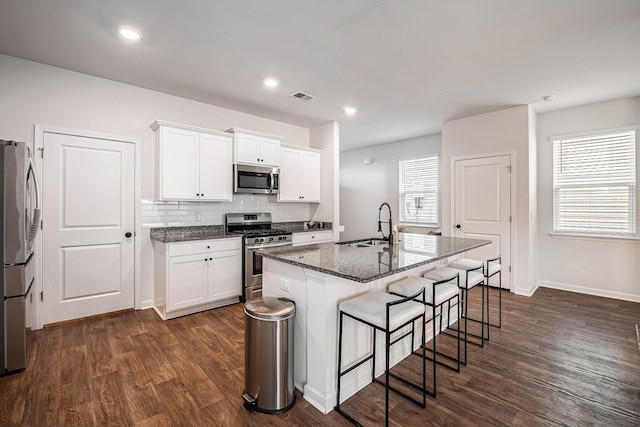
(158,212)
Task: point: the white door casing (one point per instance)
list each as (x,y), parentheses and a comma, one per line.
(89,199)
(482,207)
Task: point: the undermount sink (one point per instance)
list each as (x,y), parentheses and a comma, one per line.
(367,243)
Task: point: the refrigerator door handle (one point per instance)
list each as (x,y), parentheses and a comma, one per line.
(35,220)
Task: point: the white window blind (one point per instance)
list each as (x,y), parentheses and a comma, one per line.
(594,183)
(419,190)
(416,247)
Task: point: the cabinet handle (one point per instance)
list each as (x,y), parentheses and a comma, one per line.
(210,259)
(127,234)
(197,194)
(208,247)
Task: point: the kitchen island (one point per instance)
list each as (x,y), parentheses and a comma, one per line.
(318,277)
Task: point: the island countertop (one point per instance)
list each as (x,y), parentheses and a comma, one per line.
(365,264)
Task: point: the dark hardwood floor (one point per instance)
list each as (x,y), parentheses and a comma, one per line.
(560,359)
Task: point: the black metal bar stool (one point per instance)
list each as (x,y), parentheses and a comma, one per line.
(445,292)
(492,267)
(468,279)
(388,314)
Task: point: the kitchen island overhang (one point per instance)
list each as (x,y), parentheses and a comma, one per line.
(319,277)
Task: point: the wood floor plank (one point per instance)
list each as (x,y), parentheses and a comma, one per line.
(142,398)
(109,403)
(560,359)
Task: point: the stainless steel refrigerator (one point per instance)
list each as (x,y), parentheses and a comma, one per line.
(19,223)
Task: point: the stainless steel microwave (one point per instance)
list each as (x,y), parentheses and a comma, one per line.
(255,179)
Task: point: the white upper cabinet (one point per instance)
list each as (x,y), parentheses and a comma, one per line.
(193,163)
(299,175)
(256,148)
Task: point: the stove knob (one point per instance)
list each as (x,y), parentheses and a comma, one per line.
(256,240)
(280,238)
(271,239)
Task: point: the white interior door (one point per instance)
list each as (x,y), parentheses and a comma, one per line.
(88,213)
(482,208)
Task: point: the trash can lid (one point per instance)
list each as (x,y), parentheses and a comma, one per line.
(270,308)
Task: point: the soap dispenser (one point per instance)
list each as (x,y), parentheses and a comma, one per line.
(394,235)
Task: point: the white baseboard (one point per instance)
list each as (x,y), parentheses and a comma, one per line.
(527,292)
(317,399)
(146,304)
(589,291)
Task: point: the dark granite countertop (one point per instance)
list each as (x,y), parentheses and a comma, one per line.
(301,226)
(207,232)
(365,264)
(188,233)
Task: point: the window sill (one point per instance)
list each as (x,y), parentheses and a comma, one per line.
(594,237)
(418,224)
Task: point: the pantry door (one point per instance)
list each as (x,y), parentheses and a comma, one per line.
(482,208)
(88,226)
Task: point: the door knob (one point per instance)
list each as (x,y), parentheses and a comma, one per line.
(127,234)
(458,226)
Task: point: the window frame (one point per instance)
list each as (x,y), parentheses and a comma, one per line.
(635,192)
(402,216)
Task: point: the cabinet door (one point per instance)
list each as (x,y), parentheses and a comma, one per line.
(247,150)
(188,282)
(310,176)
(289,174)
(179,166)
(269,151)
(215,168)
(225,275)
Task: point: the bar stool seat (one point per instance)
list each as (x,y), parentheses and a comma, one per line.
(371,308)
(411,285)
(388,314)
(474,277)
(466,264)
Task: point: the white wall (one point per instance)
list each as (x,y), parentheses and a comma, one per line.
(595,266)
(327,138)
(534,272)
(34,93)
(364,187)
(504,131)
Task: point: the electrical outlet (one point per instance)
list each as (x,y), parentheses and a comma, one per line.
(285,285)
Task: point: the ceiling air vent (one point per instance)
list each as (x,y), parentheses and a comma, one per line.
(303,96)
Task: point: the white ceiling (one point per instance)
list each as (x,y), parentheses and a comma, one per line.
(407,65)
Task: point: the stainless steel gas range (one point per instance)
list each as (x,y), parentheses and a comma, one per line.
(257,234)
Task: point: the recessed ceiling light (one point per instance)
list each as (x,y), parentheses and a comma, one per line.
(350,111)
(548,98)
(271,82)
(129,33)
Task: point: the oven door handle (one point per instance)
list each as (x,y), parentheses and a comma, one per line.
(269,246)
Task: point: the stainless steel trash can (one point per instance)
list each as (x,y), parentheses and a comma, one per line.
(268,355)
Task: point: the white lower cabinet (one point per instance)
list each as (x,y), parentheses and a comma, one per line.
(197,275)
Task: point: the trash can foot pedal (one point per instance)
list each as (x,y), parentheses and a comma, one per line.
(249,401)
